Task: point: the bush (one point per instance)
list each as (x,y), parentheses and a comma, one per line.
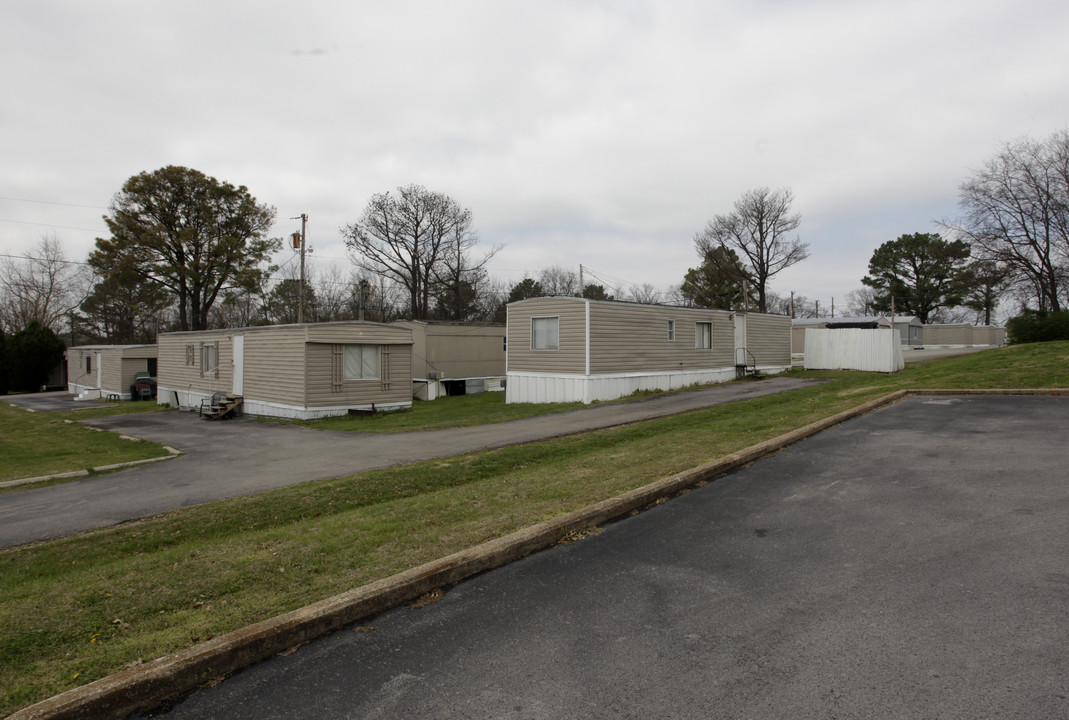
(1038,326)
(3,364)
(32,353)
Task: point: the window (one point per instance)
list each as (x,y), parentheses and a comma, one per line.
(362,362)
(703,336)
(89,363)
(209,360)
(671,329)
(545,333)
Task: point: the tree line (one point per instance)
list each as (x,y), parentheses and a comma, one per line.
(189,252)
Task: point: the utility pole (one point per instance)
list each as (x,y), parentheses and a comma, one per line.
(792,304)
(581,286)
(301,238)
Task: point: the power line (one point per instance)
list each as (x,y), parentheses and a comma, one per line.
(62,227)
(49,202)
(27,257)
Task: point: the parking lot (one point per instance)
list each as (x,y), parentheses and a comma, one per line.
(913,563)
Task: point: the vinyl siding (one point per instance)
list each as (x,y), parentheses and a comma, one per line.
(394,385)
(456,351)
(768,339)
(76,373)
(948,334)
(634,338)
(119,365)
(274,365)
(172,371)
(570,357)
(289,364)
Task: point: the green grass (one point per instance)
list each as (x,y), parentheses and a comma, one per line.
(36,444)
(459,411)
(79,608)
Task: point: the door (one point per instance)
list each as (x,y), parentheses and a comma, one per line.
(740,339)
(239,365)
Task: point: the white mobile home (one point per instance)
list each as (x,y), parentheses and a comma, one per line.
(455,358)
(568,349)
(291,371)
(95,371)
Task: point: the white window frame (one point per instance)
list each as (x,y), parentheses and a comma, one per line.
(209,359)
(703,336)
(671,331)
(551,333)
(368,366)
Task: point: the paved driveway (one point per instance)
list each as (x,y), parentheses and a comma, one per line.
(913,563)
(54,401)
(240,457)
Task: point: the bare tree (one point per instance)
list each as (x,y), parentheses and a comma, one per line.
(861,302)
(758,229)
(460,276)
(406,238)
(42,286)
(645,293)
(1016,212)
(557,280)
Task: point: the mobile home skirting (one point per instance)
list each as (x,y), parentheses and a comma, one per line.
(191,399)
(529,387)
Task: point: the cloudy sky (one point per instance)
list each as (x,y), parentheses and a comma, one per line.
(599,132)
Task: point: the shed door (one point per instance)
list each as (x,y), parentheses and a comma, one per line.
(239,365)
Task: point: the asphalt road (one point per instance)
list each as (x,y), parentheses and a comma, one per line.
(913,563)
(240,457)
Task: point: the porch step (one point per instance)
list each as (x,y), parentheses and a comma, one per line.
(221,406)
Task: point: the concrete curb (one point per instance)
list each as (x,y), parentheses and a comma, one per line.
(102,468)
(145,686)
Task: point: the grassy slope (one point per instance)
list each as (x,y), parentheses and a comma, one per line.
(70,446)
(79,608)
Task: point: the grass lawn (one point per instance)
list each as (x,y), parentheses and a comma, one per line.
(459,411)
(79,608)
(35,444)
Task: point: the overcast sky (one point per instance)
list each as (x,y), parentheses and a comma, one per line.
(598,132)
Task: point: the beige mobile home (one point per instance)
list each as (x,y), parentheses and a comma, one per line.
(568,349)
(455,358)
(291,371)
(963,335)
(95,371)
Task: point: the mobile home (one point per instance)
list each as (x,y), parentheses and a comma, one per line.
(455,358)
(301,371)
(95,371)
(568,349)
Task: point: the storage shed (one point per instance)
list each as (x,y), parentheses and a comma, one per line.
(568,349)
(302,371)
(95,371)
(455,358)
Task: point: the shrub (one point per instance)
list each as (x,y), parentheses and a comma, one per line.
(1038,326)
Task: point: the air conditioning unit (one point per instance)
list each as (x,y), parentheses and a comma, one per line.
(432,375)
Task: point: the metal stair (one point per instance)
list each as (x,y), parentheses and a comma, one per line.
(744,369)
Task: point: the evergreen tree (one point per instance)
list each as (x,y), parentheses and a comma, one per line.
(34,353)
